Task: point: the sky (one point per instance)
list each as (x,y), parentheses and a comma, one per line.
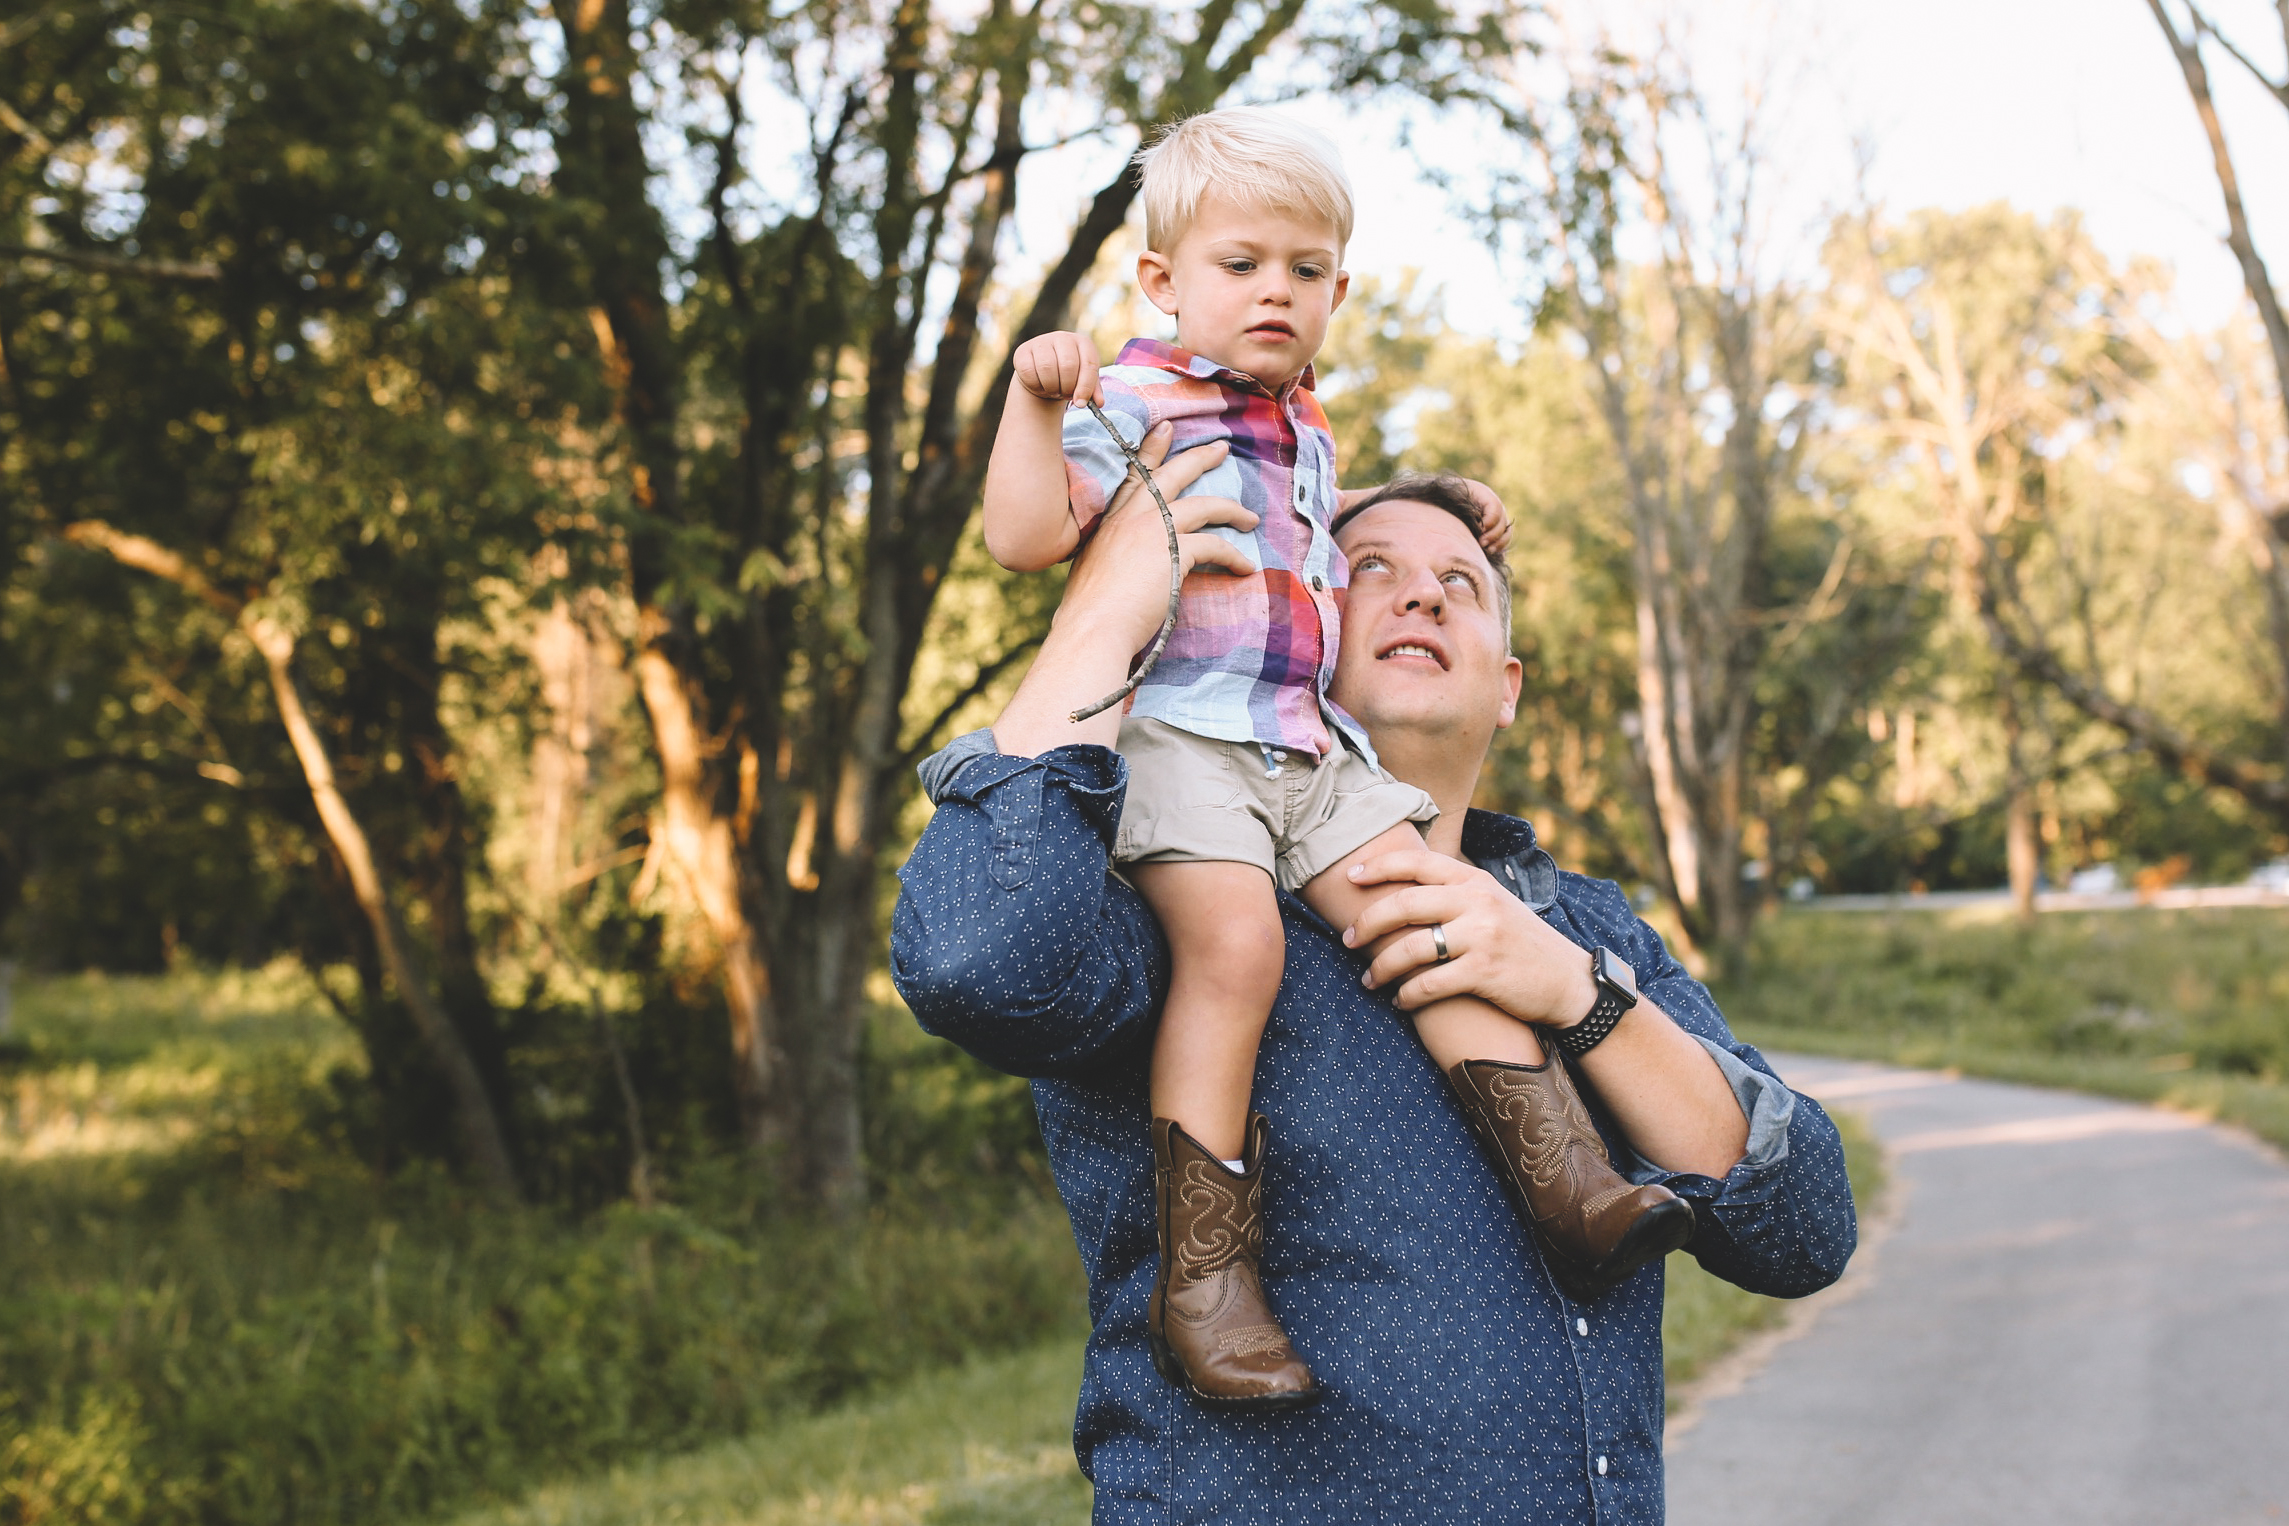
(2042,103)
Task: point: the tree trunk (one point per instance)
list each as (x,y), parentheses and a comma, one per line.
(2237,237)
(481,1134)
(484,1145)
(2020,853)
(697,841)
(603,164)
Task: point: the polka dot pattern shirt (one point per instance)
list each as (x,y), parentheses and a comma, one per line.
(1462,1386)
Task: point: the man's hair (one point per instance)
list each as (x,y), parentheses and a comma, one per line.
(1450,494)
(1261,159)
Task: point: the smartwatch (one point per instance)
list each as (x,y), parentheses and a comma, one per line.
(1617,993)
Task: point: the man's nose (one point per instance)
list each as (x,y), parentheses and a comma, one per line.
(1424,592)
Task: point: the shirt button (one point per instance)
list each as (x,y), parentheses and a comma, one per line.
(1318,584)
(1511,870)
(1581,1327)
(1601,1465)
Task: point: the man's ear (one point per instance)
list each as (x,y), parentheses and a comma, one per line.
(1157,279)
(1513,677)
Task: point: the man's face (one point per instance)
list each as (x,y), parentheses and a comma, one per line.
(1250,290)
(1423,643)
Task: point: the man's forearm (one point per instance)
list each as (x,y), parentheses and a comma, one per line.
(1667,1095)
(1078,665)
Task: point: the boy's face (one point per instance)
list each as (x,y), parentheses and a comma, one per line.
(1249,289)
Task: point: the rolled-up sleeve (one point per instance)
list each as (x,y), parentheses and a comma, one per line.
(1011,937)
(1781,1221)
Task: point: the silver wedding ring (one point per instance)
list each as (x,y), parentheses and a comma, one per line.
(1439,941)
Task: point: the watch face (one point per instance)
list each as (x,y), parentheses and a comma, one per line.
(1614,971)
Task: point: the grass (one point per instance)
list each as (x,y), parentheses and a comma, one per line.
(2188,1008)
(987,1445)
(211,1311)
(992,1443)
(1703,1318)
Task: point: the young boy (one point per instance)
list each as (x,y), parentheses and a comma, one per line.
(1243,775)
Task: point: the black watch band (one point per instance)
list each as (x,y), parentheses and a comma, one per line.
(1617,993)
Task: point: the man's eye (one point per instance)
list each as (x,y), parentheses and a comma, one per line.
(1461,580)
(1365,563)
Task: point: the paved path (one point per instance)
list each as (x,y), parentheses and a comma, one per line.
(2080,1316)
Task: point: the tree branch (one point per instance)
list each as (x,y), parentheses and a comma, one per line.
(2259,786)
(110,264)
(923,739)
(2278,89)
(2237,237)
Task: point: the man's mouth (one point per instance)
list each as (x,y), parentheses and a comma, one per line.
(1419,649)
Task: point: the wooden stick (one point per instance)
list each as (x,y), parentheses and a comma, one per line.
(1175,573)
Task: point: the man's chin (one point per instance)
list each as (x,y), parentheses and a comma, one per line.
(1410,720)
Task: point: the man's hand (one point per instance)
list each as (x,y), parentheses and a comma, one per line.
(1499,949)
(1115,598)
(1059,368)
(1110,588)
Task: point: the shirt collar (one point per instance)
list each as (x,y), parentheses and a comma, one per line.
(1162,356)
(1489,835)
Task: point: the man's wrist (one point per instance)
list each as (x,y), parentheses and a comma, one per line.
(1574,1003)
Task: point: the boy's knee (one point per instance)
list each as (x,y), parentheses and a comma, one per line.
(1247,951)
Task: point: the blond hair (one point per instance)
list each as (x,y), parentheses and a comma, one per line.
(1264,160)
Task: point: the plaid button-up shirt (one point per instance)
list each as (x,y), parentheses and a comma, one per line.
(1251,657)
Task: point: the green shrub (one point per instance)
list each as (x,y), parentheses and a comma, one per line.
(2183,1006)
(212,1311)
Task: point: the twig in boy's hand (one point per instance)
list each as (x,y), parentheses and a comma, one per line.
(1175,572)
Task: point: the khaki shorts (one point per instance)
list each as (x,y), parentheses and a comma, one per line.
(1193,800)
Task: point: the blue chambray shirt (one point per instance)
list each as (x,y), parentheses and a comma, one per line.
(1462,1386)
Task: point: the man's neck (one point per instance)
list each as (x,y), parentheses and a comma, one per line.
(1443,767)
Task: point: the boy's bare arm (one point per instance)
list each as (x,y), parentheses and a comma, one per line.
(1028,521)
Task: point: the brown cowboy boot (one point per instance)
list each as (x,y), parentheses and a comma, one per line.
(1593,1226)
(1213,1335)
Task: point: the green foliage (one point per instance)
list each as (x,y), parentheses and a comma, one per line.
(991,1442)
(988,1445)
(211,1310)
(2187,1007)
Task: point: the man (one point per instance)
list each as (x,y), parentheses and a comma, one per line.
(1462,1384)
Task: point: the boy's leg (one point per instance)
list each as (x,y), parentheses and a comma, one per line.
(1213,1333)
(1594,1226)
(1226,955)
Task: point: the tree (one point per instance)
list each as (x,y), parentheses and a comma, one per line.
(1701,365)
(806,427)
(2016,374)
(2250,476)
(257,352)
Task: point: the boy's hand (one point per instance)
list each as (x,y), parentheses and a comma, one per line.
(1494,519)
(1059,368)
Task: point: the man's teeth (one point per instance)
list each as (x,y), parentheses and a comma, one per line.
(1409,649)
